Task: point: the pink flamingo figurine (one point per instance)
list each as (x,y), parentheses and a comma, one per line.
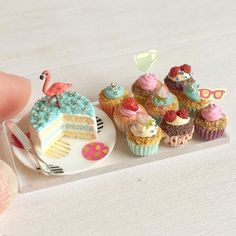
(55,89)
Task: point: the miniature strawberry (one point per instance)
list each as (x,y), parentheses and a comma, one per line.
(174,71)
(183,113)
(130,104)
(186,68)
(170,116)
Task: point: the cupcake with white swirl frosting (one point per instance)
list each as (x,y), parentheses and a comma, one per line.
(144,135)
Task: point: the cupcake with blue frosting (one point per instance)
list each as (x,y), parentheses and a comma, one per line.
(111,97)
(180,82)
(160,102)
(144,135)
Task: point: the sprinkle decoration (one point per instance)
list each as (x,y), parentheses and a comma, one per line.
(95,151)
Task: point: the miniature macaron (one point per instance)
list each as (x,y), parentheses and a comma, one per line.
(177,126)
(210,122)
(143,136)
(144,86)
(160,102)
(180,82)
(126,113)
(111,97)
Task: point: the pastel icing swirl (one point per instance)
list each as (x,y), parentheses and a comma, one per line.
(148,82)
(144,127)
(191,91)
(212,112)
(127,112)
(114,91)
(157,101)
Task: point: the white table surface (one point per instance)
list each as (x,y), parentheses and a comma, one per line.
(91,43)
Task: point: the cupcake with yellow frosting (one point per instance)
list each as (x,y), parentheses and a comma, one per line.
(180,82)
(111,97)
(210,122)
(160,102)
(143,136)
(177,126)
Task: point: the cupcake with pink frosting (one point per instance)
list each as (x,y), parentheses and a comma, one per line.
(126,113)
(210,122)
(144,86)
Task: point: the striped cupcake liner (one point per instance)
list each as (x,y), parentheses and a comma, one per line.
(143,150)
(176,141)
(207,134)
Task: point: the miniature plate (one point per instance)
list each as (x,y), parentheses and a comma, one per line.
(77,160)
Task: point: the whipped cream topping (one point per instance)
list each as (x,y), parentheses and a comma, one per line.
(179,121)
(145,126)
(181,76)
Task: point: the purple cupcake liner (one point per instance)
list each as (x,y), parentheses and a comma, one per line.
(207,134)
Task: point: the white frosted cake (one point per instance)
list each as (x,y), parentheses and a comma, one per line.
(74,118)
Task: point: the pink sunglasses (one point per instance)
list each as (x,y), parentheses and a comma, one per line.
(217,94)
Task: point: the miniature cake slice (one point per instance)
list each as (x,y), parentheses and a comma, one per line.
(75,118)
(61,113)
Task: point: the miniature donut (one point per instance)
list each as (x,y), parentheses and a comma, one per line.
(95,151)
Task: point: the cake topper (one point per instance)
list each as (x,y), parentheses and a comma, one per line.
(162,91)
(55,89)
(145,60)
(114,88)
(212,94)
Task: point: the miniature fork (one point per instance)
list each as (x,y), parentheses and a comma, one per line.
(46,169)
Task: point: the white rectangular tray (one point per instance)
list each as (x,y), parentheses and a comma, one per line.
(120,158)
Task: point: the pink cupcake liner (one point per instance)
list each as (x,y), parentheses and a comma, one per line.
(175,141)
(122,126)
(207,134)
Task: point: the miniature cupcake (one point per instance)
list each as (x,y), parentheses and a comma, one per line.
(144,86)
(143,136)
(210,122)
(126,113)
(177,126)
(160,102)
(181,83)
(111,97)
